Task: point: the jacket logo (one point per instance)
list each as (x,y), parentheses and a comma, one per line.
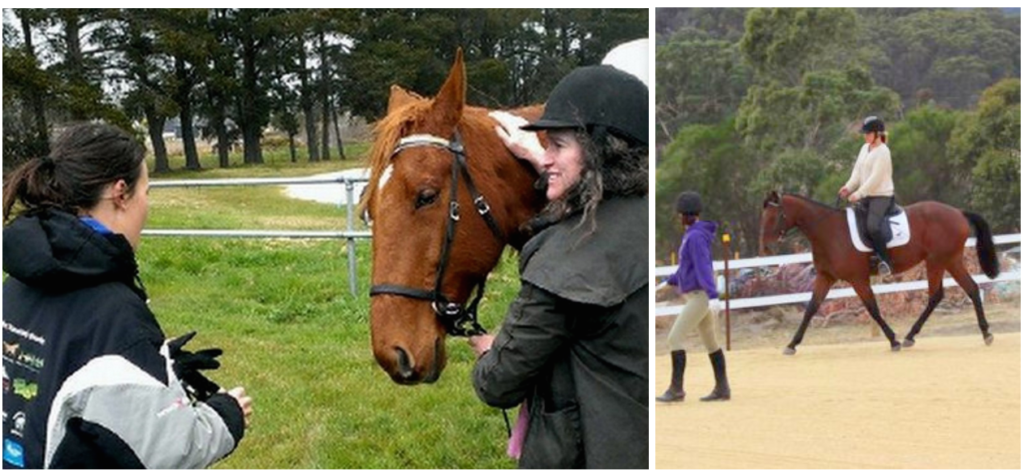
(14,453)
(30,361)
(25,389)
(19,424)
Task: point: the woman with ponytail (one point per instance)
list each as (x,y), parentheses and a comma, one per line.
(89,380)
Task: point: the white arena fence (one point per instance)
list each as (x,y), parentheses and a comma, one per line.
(794,298)
(349,234)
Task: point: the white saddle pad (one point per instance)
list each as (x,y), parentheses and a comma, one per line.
(900,231)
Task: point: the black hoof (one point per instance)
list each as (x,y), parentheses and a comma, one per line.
(896,347)
(907,343)
(988,339)
(789,351)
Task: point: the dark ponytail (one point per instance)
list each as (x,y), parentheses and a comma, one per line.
(83,161)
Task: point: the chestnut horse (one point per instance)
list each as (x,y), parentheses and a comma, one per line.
(445,197)
(937,236)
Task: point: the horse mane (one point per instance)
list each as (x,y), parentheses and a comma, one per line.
(386,133)
(809,200)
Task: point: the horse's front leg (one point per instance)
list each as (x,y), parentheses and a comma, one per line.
(822,283)
(863,289)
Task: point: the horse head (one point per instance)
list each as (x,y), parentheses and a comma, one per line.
(773,223)
(445,196)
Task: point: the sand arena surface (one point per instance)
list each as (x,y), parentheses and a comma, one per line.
(948,402)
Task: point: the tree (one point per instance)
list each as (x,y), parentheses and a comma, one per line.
(996,189)
(182,36)
(711,160)
(923,168)
(782,44)
(946,55)
(986,150)
(813,114)
(26,89)
(697,81)
(131,33)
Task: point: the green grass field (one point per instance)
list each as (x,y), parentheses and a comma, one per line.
(299,342)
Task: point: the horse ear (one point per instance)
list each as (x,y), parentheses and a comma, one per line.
(452,97)
(771,197)
(400,97)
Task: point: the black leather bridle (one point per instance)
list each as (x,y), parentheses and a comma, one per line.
(780,219)
(458,320)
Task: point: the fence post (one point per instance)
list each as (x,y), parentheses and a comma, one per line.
(350,208)
(726,238)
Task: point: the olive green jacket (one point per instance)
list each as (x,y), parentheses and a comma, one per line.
(574,343)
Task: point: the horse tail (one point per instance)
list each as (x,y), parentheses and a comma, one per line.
(986,248)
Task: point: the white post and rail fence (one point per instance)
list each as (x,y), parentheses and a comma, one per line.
(349,234)
(730,304)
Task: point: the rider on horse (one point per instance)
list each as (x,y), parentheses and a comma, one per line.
(871,185)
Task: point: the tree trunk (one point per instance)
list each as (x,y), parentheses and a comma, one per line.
(35,119)
(308,113)
(73,60)
(312,146)
(251,145)
(183,97)
(155,123)
(223,140)
(291,146)
(325,124)
(248,118)
(325,99)
(337,137)
(188,138)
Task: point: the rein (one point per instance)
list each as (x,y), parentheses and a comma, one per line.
(458,320)
(782,217)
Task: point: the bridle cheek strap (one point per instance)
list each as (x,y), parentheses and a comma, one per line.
(457,320)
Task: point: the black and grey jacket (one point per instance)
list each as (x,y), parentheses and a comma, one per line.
(574,343)
(88,382)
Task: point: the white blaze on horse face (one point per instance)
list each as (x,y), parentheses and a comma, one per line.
(384,178)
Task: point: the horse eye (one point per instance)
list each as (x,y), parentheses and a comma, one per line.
(425,197)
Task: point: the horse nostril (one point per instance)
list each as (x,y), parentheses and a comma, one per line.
(404,364)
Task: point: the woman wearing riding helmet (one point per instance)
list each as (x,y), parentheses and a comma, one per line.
(695,279)
(574,342)
(871,185)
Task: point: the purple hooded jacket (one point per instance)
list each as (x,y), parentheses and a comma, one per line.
(695,270)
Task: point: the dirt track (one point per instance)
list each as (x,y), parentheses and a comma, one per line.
(948,402)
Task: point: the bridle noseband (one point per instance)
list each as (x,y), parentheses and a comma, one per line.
(457,319)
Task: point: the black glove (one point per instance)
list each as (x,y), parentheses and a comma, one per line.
(187,366)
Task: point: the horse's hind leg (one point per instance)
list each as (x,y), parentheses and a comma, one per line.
(935,294)
(822,284)
(963,278)
(863,289)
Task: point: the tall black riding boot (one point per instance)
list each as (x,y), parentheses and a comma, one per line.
(884,262)
(721,391)
(675,390)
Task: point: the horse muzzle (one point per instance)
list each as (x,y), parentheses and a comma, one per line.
(410,366)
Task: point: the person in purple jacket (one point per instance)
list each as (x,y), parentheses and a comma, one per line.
(695,279)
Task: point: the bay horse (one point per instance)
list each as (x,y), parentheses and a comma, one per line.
(445,197)
(937,236)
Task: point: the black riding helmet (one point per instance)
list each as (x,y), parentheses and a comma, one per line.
(595,96)
(688,202)
(872,124)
